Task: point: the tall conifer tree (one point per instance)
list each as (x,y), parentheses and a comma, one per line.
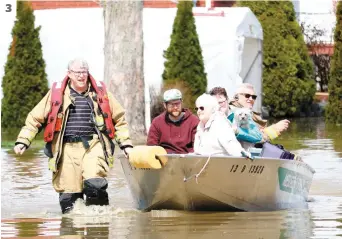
(184,60)
(25,81)
(334,107)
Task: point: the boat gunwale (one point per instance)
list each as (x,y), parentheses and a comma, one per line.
(302,163)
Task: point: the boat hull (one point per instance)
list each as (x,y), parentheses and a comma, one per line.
(220,183)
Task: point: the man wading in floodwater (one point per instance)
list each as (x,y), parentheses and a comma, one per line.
(81,121)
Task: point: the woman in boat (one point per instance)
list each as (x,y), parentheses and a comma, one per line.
(215,134)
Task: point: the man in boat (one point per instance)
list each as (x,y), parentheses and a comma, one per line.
(245,97)
(81,119)
(253,134)
(175,128)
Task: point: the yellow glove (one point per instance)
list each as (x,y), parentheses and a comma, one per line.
(143,156)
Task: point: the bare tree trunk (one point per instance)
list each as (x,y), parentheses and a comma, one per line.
(124,60)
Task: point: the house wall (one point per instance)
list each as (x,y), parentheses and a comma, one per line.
(323,49)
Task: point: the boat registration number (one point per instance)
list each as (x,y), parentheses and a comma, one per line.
(254,169)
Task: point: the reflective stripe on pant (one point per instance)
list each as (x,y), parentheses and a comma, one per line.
(78,164)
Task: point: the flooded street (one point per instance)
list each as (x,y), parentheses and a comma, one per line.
(30,208)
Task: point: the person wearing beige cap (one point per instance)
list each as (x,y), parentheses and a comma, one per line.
(175,128)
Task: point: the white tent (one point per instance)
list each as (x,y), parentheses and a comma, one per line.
(231,40)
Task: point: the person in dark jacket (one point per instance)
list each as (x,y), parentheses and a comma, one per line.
(174,129)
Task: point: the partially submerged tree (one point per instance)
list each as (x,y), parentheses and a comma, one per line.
(334,107)
(124,59)
(184,60)
(288,84)
(25,81)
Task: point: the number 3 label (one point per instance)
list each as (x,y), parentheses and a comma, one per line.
(8,8)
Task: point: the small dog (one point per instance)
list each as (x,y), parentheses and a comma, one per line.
(242,117)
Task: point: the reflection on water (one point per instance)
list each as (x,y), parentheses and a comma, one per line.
(30,206)
(169,224)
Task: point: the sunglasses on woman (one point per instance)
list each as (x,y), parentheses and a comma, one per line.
(201,108)
(249,95)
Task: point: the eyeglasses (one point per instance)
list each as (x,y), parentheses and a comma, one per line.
(249,95)
(79,72)
(201,108)
(174,104)
(221,102)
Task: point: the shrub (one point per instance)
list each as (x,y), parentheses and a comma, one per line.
(25,81)
(184,58)
(288,83)
(334,108)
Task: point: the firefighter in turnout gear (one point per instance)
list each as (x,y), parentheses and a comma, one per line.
(81,121)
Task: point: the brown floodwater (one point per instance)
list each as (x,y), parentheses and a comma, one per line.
(29,205)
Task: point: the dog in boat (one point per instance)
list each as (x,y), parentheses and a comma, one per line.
(242,117)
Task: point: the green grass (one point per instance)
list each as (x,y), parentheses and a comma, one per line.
(10,144)
(9,136)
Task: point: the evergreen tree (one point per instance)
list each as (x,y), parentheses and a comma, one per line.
(25,81)
(288,83)
(184,60)
(334,107)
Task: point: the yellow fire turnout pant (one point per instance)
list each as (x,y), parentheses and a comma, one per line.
(78,164)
